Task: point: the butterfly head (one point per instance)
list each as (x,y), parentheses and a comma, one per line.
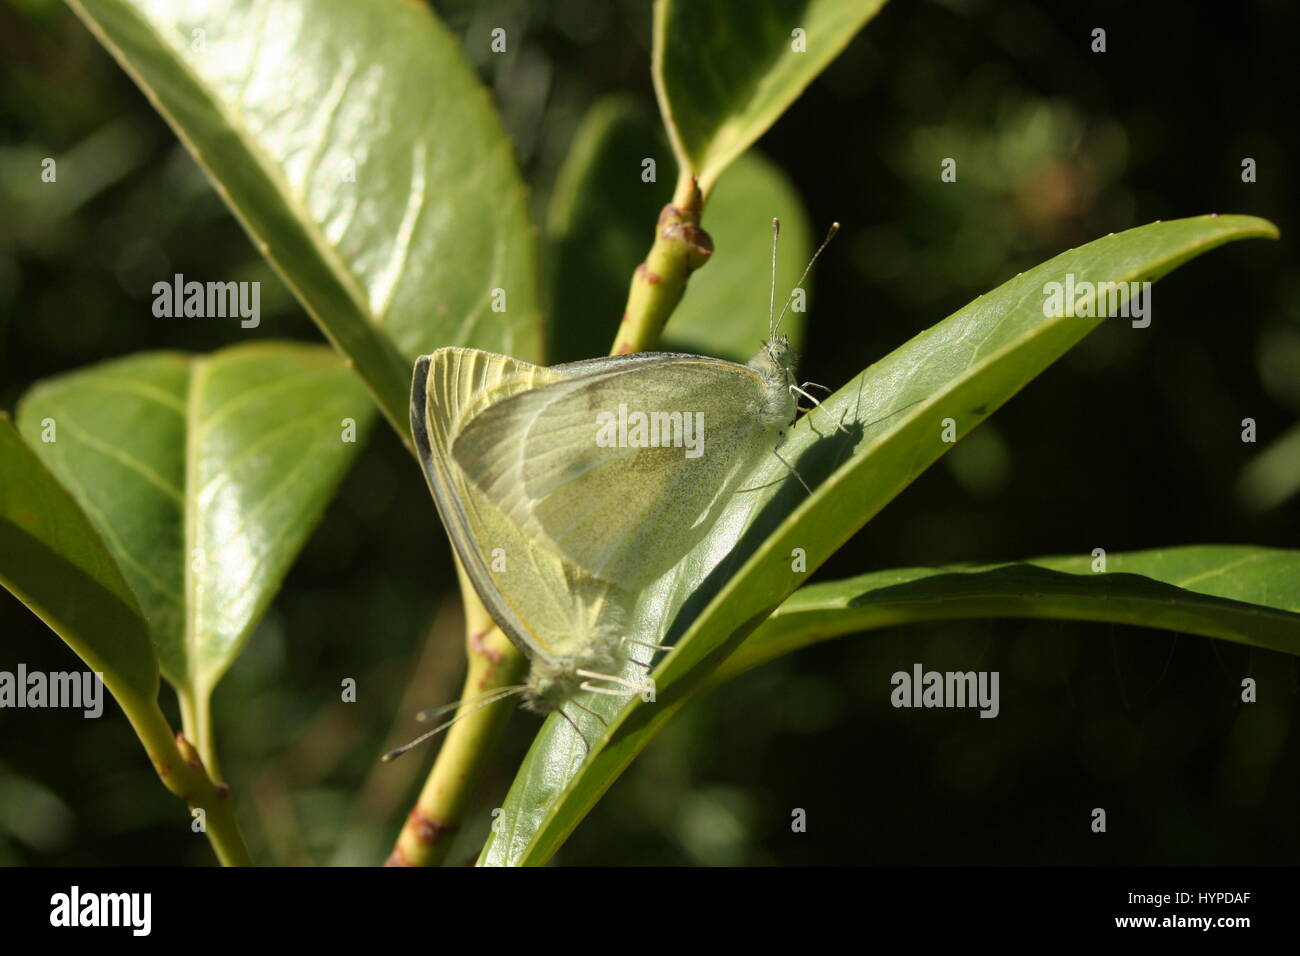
(776,361)
(550,684)
(553,680)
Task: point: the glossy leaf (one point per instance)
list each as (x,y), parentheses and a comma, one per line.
(896,414)
(53,560)
(725,70)
(601,222)
(204,476)
(1238,593)
(358,149)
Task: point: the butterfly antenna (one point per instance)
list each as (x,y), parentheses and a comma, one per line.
(483,700)
(830,234)
(771,300)
(432,713)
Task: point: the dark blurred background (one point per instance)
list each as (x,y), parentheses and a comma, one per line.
(1131,441)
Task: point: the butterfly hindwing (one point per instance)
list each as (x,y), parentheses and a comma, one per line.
(544,604)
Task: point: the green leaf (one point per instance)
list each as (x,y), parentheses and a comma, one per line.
(601,222)
(53,560)
(118,446)
(204,476)
(960,369)
(1238,593)
(357,148)
(725,70)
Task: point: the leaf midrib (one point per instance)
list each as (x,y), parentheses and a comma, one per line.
(193,608)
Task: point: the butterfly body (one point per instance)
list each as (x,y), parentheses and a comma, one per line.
(774,364)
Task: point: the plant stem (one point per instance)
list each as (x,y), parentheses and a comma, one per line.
(196,725)
(181,771)
(680,247)
(494,662)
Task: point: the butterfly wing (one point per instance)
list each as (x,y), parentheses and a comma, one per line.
(626,513)
(544,604)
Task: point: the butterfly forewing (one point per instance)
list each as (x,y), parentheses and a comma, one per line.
(624,512)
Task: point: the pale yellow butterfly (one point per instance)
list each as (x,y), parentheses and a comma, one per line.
(566,490)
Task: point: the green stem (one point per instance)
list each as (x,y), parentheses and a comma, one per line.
(189,713)
(494,662)
(196,725)
(680,247)
(181,770)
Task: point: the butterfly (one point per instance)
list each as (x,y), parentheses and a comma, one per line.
(568,489)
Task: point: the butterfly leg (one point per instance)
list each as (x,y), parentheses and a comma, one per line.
(607,691)
(626,688)
(569,720)
(802,390)
(792,471)
(603,721)
(654,649)
(799,391)
(777,481)
(631,689)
